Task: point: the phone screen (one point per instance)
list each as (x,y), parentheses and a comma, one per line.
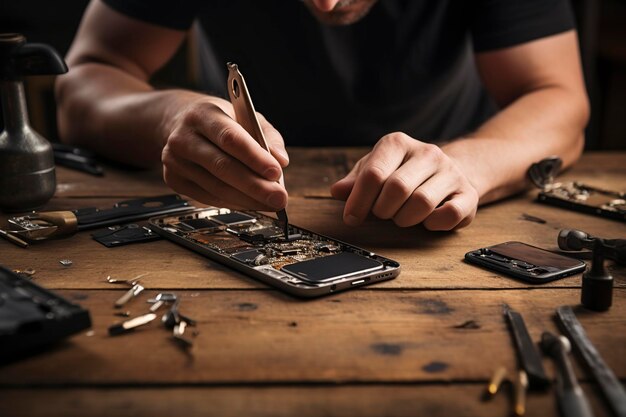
(533,255)
(525,262)
(332,267)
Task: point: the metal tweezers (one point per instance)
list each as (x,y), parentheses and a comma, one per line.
(246,117)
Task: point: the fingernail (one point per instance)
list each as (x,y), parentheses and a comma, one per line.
(351,220)
(272,174)
(276,200)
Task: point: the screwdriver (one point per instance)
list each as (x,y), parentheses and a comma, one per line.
(570,396)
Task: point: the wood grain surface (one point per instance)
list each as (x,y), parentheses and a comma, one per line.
(422,344)
(356,336)
(375,400)
(429,259)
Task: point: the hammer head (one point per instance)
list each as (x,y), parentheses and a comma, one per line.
(571,239)
(576,240)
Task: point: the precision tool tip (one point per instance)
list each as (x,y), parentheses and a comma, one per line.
(506,309)
(284,221)
(521,385)
(13,239)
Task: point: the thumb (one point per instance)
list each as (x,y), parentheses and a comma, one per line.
(341,189)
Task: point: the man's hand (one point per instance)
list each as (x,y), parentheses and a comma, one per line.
(107,104)
(211,158)
(410,182)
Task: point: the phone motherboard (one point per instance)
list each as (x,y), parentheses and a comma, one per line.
(305,263)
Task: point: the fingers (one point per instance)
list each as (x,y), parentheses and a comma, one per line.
(381,163)
(226,134)
(455,213)
(400,186)
(220,173)
(208,189)
(190,189)
(409,182)
(424,200)
(341,189)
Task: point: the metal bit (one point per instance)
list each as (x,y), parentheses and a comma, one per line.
(179,335)
(179,329)
(131,324)
(521,386)
(130,294)
(160,300)
(130,282)
(496,381)
(26,273)
(13,239)
(171,318)
(157,304)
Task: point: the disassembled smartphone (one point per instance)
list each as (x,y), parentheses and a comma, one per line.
(305,264)
(575,195)
(580,197)
(525,262)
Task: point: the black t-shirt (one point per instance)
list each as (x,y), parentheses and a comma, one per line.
(408,65)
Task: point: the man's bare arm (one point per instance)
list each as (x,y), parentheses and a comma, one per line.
(105,101)
(540,87)
(106,104)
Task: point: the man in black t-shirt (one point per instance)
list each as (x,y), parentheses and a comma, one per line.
(456,97)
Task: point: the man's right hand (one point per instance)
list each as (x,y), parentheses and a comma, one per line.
(107,104)
(209,157)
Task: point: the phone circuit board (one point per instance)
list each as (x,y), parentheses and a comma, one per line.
(591,200)
(304,264)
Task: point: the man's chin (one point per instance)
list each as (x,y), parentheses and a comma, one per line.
(342,15)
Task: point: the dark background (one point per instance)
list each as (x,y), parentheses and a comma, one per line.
(601,29)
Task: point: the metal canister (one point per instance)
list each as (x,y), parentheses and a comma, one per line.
(27,175)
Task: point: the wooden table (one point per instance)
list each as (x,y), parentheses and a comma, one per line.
(401,348)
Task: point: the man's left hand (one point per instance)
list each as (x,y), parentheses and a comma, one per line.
(410,182)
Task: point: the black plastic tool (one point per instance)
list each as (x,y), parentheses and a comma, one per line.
(597,285)
(577,240)
(32,318)
(528,355)
(76,158)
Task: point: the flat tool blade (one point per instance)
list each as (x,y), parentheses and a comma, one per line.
(528,354)
(609,385)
